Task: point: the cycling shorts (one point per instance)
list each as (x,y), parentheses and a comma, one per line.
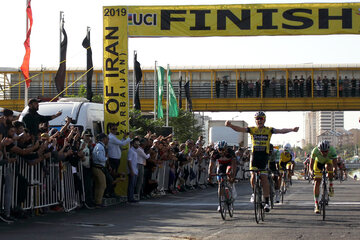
(223,168)
(318,167)
(259,160)
(272,167)
(284,165)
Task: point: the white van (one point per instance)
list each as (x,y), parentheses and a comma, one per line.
(86,115)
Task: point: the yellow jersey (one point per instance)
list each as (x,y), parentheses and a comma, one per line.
(260,138)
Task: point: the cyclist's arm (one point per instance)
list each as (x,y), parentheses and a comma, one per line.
(311,164)
(286,130)
(235,128)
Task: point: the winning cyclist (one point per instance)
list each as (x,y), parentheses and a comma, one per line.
(225,159)
(322,156)
(287,162)
(260,137)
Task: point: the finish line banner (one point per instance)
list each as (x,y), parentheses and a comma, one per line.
(238,20)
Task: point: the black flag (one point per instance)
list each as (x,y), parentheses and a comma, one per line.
(138,76)
(61,73)
(89,65)
(187,93)
(180,92)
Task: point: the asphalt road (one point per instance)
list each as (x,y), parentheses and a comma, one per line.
(192,215)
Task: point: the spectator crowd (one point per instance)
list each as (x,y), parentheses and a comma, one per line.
(300,86)
(156,164)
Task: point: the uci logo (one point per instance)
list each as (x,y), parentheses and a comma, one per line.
(139,19)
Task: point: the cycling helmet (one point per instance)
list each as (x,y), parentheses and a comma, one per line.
(287,147)
(221,145)
(260,114)
(324,146)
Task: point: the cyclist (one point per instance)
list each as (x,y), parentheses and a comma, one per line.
(342,168)
(306,167)
(274,167)
(287,162)
(260,137)
(225,159)
(322,156)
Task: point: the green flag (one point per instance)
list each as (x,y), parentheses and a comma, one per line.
(160,75)
(173,107)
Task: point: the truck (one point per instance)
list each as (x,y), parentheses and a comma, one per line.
(218,133)
(85,115)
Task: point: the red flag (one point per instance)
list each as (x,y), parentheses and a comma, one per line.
(25,65)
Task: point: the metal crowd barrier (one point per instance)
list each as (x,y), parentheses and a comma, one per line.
(45,184)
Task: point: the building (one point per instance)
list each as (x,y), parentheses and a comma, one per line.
(324,125)
(310,128)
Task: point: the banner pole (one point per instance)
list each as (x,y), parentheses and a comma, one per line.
(26,90)
(167,95)
(155,95)
(133,90)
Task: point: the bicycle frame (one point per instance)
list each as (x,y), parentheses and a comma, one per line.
(324,201)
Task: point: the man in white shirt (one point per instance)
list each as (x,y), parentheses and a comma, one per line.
(114,148)
(132,168)
(142,157)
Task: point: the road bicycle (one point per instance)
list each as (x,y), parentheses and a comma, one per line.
(272,188)
(324,200)
(258,199)
(226,200)
(284,186)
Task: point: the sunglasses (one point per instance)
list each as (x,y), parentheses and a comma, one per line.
(324,151)
(260,118)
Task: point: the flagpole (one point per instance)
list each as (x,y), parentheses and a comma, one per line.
(61,23)
(26,91)
(180,90)
(155,81)
(167,95)
(186,106)
(133,90)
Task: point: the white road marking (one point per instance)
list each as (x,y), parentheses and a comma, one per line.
(290,203)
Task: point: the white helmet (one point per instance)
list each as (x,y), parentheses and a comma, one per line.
(287,147)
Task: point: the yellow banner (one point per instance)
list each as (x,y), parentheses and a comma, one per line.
(238,20)
(116,98)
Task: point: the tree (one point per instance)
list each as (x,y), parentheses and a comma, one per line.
(140,124)
(185,126)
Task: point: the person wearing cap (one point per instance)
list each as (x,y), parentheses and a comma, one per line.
(99,160)
(86,147)
(32,118)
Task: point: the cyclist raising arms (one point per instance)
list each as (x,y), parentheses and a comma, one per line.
(260,137)
(286,162)
(225,159)
(322,155)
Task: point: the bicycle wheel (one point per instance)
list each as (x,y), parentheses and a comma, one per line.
(230,201)
(323,207)
(230,207)
(283,190)
(272,192)
(222,202)
(257,203)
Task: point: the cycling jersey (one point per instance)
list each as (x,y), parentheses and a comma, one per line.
(286,156)
(224,162)
(260,139)
(320,160)
(317,156)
